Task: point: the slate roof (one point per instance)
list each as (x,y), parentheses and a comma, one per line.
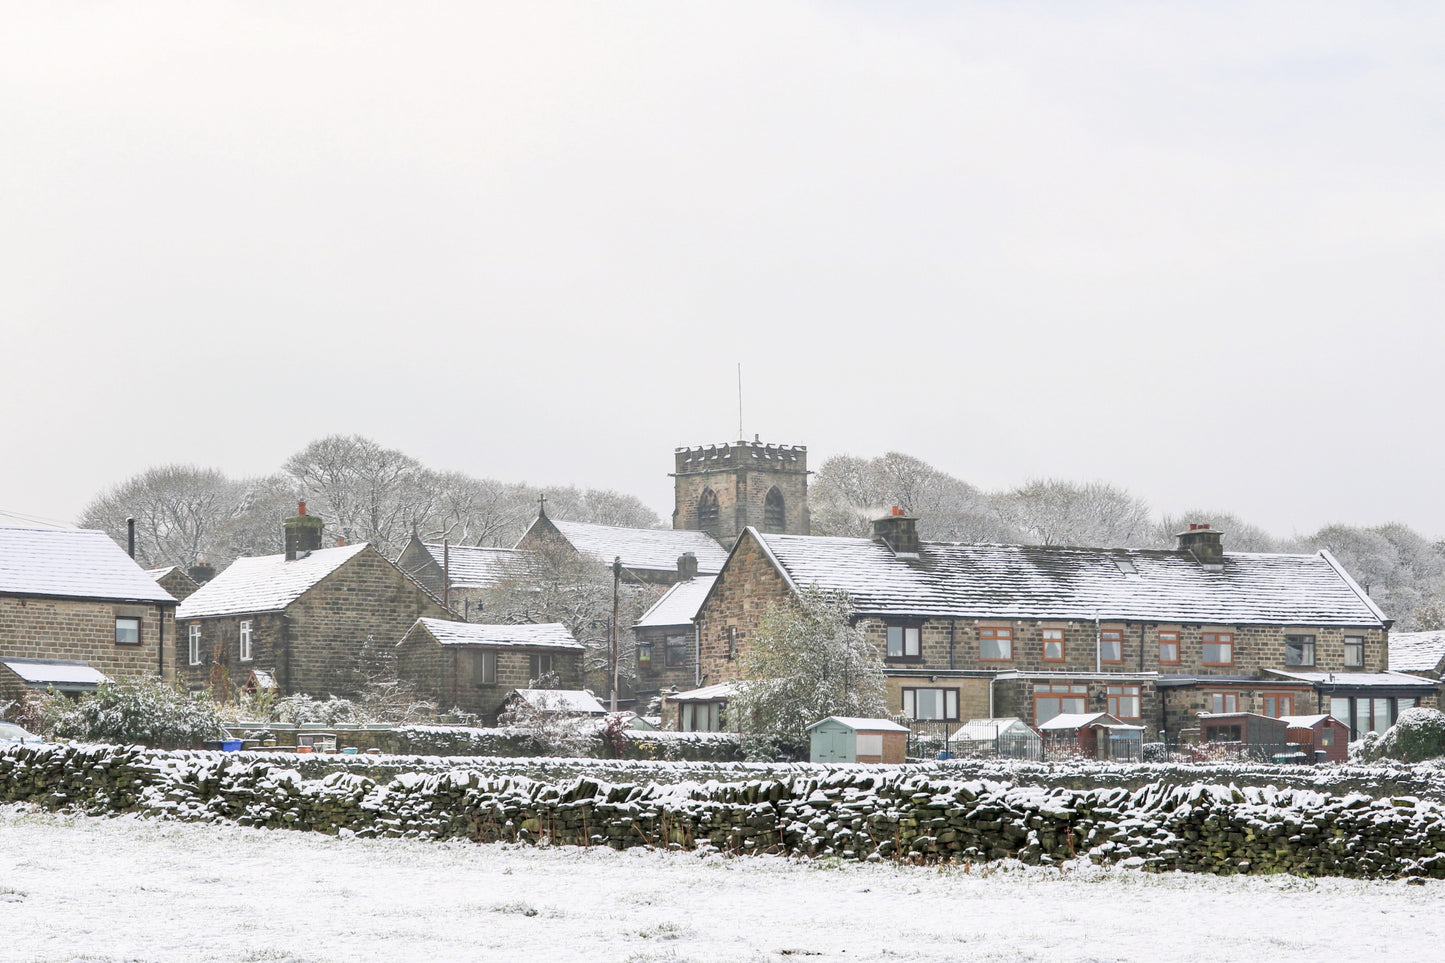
(551,635)
(1065,721)
(264,583)
(1416,651)
(73,563)
(160,573)
(652,549)
(678,604)
(1047,582)
(476,566)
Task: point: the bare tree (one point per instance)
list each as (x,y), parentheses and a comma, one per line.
(600,506)
(1239,535)
(179,511)
(365,492)
(1052,511)
(1401,570)
(849,492)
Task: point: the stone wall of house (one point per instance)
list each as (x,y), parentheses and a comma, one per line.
(730,616)
(178,583)
(443,673)
(220,669)
(84,630)
(655,674)
(356,614)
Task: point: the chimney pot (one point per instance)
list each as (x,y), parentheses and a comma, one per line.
(300,508)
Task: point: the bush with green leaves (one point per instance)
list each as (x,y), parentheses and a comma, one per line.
(146,712)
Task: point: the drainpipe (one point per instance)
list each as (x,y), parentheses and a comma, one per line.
(1141,647)
(952,630)
(991,713)
(696,655)
(1098,644)
(161,640)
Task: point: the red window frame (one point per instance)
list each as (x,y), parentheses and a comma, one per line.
(1277,705)
(998,633)
(1228,701)
(1060,691)
(1216,638)
(1056,639)
(1168,637)
(1116,693)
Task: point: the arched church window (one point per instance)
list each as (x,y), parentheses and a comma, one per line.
(707,512)
(774,512)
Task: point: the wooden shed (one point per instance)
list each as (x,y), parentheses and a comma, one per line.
(849,739)
(1244,728)
(1316,734)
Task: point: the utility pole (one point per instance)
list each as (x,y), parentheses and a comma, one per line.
(616,580)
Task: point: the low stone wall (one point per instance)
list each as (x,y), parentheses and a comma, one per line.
(854,812)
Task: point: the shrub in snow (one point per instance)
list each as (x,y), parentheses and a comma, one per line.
(1419,734)
(147,712)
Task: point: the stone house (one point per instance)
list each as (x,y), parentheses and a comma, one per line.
(463,576)
(1152,637)
(313,620)
(475,667)
(174,580)
(666,639)
(73,599)
(649,556)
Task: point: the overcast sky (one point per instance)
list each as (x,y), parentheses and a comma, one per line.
(1191,249)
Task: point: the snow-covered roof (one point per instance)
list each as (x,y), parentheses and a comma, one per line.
(678,604)
(160,573)
(708,693)
(561,700)
(1357,680)
(478,566)
(551,635)
(264,583)
(61,673)
(1416,651)
(1048,582)
(863,725)
(1077,720)
(987,730)
(1304,722)
(651,549)
(73,563)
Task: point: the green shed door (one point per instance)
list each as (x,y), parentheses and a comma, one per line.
(832,744)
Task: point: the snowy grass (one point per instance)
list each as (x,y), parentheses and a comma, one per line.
(79,889)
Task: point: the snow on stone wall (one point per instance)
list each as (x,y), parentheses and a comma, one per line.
(854,812)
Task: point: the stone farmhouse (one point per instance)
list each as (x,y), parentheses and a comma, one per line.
(174,580)
(75,609)
(649,556)
(309,619)
(476,666)
(1152,637)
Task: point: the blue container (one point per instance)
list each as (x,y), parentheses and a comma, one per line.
(230,745)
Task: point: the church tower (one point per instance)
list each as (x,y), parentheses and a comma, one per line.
(722,489)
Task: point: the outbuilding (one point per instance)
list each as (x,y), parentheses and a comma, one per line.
(850,739)
(1094,735)
(1324,737)
(1010,738)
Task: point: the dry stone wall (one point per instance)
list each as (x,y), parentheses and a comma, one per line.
(854,813)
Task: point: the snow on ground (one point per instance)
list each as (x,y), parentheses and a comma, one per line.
(107,890)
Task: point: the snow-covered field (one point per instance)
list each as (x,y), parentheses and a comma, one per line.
(103,890)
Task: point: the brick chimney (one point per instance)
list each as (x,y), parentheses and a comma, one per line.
(201,572)
(686,566)
(303,533)
(899,531)
(1205,544)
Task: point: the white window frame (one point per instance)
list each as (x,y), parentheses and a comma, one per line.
(245,644)
(1305,646)
(1355,646)
(127,618)
(193,644)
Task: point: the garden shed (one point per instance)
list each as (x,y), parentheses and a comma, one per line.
(849,739)
(1094,735)
(1009,737)
(1319,734)
(1243,728)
